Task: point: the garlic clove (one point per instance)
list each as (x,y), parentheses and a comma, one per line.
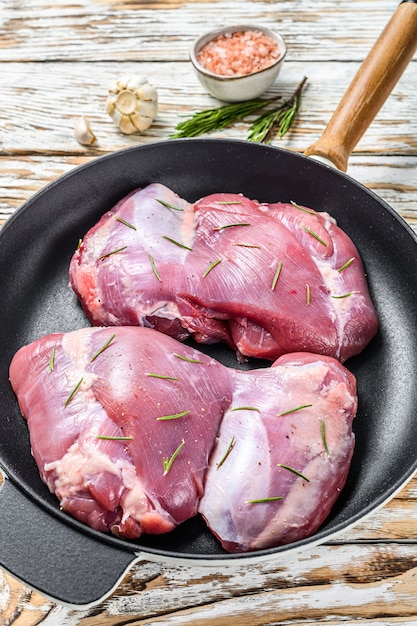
(83,133)
(132,103)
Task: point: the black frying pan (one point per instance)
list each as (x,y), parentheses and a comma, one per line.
(74,564)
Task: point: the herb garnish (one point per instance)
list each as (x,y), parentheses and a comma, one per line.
(104,256)
(226,454)
(73,392)
(110,438)
(301,208)
(211,266)
(261,500)
(294,471)
(345,295)
(174,416)
(51,362)
(106,345)
(246,245)
(245,408)
(177,243)
(313,234)
(323,437)
(297,408)
(345,265)
(122,221)
(168,462)
(277,273)
(155,271)
(184,358)
(163,376)
(229,201)
(308,294)
(231,225)
(168,205)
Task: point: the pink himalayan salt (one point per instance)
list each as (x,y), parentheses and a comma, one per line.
(239,53)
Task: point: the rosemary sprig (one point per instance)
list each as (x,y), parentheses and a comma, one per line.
(323,437)
(276,276)
(153,266)
(110,438)
(174,416)
(210,267)
(51,362)
(226,454)
(301,208)
(308,294)
(294,471)
(246,245)
(231,225)
(262,500)
(279,120)
(229,202)
(168,205)
(245,408)
(220,117)
(297,408)
(168,462)
(73,392)
(177,243)
(313,234)
(345,295)
(163,376)
(184,358)
(104,256)
(122,221)
(345,265)
(106,345)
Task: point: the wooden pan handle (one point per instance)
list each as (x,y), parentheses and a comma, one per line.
(370,87)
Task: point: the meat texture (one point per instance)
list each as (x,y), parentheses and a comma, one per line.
(135,433)
(266,279)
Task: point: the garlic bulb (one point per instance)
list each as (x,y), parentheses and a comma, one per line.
(132,103)
(83,133)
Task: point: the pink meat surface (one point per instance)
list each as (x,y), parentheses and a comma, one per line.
(266,279)
(130,429)
(283,453)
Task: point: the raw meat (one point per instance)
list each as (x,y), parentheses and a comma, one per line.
(266,279)
(287,437)
(130,430)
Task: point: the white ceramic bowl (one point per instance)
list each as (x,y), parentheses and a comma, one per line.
(237,88)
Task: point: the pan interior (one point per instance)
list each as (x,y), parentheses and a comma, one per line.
(37,243)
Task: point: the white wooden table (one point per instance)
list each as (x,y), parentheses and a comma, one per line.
(57,61)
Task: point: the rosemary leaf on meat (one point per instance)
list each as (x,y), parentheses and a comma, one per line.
(122,221)
(168,462)
(155,271)
(313,234)
(231,225)
(174,416)
(177,243)
(51,362)
(217,118)
(308,295)
(106,345)
(297,408)
(104,256)
(294,471)
(184,358)
(168,205)
(110,438)
(345,295)
(226,454)
(262,500)
(301,208)
(211,266)
(246,245)
(245,408)
(279,120)
(73,392)
(229,202)
(323,437)
(345,265)
(276,276)
(163,376)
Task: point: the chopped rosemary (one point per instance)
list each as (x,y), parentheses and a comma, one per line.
(308,294)
(122,221)
(165,377)
(246,245)
(231,225)
(73,392)
(261,500)
(168,205)
(294,471)
(51,362)
(276,276)
(297,408)
(301,208)
(245,408)
(174,416)
(106,345)
(313,234)
(226,454)
(323,437)
(211,266)
(79,244)
(177,243)
(229,202)
(168,462)
(155,271)
(110,438)
(184,358)
(345,265)
(278,121)
(104,256)
(345,295)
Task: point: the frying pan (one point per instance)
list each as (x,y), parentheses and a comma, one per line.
(73,564)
